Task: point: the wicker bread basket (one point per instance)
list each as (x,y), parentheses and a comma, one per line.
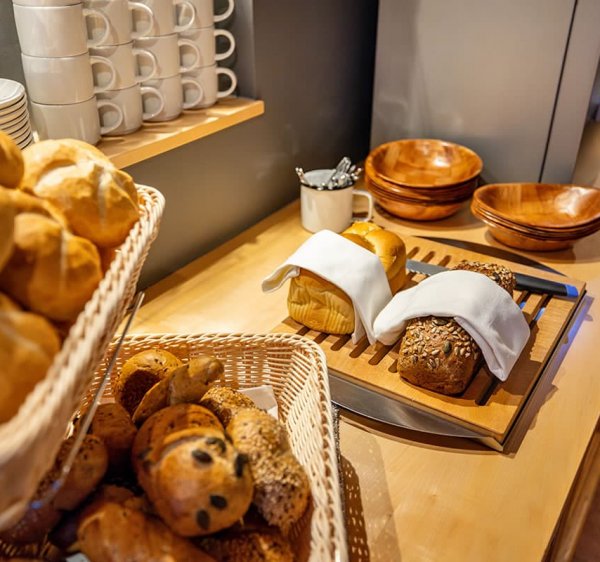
(30,440)
(295,367)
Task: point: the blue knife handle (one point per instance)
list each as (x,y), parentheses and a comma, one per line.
(538,285)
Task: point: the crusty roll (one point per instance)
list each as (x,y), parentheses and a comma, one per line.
(225,402)
(113,425)
(28,344)
(140,373)
(324,307)
(264,545)
(99,201)
(281,486)
(436,353)
(116,533)
(7,225)
(50,271)
(11,161)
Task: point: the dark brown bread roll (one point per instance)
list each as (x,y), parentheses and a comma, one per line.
(436,353)
(225,402)
(113,425)
(265,545)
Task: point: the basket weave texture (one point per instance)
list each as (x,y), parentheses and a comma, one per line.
(296,369)
(30,441)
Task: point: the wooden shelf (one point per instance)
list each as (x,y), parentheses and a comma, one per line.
(155,138)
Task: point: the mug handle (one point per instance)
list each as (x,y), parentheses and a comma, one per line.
(230,38)
(195,48)
(143,53)
(198,87)
(232,77)
(363,193)
(133,6)
(150,91)
(94,59)
(185,7)
(104,130)
(226,13)
(87,12)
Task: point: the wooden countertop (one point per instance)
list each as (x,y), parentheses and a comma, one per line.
(409,496)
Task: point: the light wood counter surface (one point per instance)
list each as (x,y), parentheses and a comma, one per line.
(413,497)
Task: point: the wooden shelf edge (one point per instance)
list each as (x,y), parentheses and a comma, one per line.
(156,138)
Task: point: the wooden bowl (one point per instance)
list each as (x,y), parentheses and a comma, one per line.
(423,163)
(541,206)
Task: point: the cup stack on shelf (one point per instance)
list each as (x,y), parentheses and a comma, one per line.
(58,67)
(130,65)
(201,81)
(14,116)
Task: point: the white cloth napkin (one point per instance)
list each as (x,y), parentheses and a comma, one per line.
(355,270)
(480,306)
(264,398)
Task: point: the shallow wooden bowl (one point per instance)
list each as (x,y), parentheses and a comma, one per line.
(541,206)
(423,163)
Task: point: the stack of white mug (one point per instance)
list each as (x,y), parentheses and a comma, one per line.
(174,55)
(129,65)
(58,67)
(201,83)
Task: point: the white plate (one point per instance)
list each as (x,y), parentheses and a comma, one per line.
(12,127)
(10,92)
(23,134)
(12,118)
(14,108)
(26,142)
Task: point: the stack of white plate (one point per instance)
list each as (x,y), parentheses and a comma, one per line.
(14,116)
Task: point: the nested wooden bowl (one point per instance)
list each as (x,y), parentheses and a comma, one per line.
(542,207)
(423,163)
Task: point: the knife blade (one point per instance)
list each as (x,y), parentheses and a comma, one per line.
(524,282)
(376,406)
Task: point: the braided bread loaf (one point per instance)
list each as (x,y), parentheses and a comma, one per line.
(323,306)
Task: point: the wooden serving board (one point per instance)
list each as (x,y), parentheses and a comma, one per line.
(487,406)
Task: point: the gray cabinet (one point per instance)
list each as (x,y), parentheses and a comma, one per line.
(509,78)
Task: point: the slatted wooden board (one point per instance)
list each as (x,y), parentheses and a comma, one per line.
(487,406)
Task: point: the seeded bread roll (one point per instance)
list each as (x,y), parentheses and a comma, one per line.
(196,480)
(324,307)
(254,546)
(113,425)
(281,487)
(436,353)
(140,373)
(225,402)
(99,201)
(115,533)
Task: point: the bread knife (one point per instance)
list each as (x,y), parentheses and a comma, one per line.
(378,407)
(524,282)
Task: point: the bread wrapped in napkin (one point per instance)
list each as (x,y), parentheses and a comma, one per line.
(339,283)
(452,319)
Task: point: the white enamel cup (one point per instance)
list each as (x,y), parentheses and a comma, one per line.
(130,101)
(60,80)
(203,14)
(205,39)
(57,31)
(330,209)
(207,78)
(73,120)
(120,14)
(128,63)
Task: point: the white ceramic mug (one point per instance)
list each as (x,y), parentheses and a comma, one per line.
(208,79)
(120,14)
(130,101)
(329,209)
(162,21)
(56,31)
(203,14)
(46,2)
(169,51)
(171,90)
(128,63)
(73,120)
(205,40)
(60,80)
